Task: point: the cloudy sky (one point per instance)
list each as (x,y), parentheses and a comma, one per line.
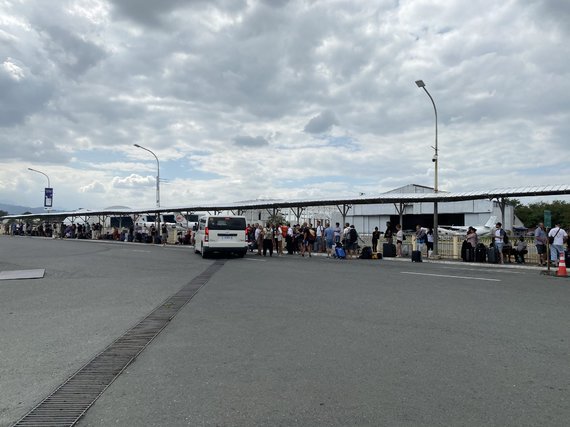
(245,99)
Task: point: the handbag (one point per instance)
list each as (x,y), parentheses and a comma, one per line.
(551,238)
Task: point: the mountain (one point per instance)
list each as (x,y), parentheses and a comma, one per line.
(16,210)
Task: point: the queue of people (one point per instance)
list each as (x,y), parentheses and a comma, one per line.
(302,239)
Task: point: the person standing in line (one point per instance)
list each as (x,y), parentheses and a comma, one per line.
(259,238)
(499,239)
(375,238)
(319,230)
(307,239)
(540,240)
(399,240)
(420,238)
(388,234)
(352,241)
(290,239)
(164,234)
(329,239)
(429,241)
(557,236)
(472,237)
(268,239)
(337,233)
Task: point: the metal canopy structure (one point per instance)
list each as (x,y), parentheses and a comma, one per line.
(383,198)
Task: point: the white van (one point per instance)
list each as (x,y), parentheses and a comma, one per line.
(221,234)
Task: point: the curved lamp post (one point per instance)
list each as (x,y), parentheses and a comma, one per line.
(422,85)
(47,190)
(157,174)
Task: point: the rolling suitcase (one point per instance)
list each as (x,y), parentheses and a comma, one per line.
(481,253)
(416,256)
(339,252)
(388,250)
(492,255)
(470,254)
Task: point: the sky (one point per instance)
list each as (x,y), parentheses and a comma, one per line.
(277,99)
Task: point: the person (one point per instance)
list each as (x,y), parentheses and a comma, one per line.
(557,236)
(540,242)
(268,239)
(420,238)
(429,241)
(520,250)
(375,238)
(289,239)
(337,233)
(319,230)
(164,233)
(399,240)
(388,235)
(281,234)
(329,235)
(344,239)
(259,238)
(308,239)
(351,241)
(472,237)
(499,240)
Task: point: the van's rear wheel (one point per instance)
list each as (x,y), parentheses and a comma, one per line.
(203,251)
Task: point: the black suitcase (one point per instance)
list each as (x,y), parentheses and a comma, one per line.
(481,253)
(388,250)
(492,255)
(469,253)
(416,256)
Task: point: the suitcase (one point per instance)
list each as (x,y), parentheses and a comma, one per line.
(470,254)
(481,253)
(492,255)
(388,250)
(366,253)
(339,252)
(416,256)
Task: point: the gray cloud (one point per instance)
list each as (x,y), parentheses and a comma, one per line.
(321,123)
(250,141)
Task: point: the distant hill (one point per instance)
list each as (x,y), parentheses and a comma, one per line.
(16,210)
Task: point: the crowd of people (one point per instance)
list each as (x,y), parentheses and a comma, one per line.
(553,240)
(303,239)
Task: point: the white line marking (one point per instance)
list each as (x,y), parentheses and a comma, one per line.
(255,259)
(452,277)
(497,270)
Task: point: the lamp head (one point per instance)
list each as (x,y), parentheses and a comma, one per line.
(420,83)
(137,145)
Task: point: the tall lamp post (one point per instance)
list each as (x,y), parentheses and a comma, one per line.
(48,193)
(435,159)
(157,174)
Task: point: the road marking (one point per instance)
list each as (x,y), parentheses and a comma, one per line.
(496,270)
(451,277)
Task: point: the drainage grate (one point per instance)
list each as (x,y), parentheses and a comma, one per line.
(75,396)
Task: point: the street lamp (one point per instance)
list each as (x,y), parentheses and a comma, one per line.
(48,193)
(157,174)
(435,159)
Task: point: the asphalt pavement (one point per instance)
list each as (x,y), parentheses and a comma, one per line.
(283,341)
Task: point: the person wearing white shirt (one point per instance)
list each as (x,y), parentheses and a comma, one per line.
(558,237)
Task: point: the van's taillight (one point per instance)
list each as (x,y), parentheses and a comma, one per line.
(206,235)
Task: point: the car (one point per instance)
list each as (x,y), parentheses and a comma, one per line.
(221,234)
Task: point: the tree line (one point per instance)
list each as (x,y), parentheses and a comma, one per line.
(533,213)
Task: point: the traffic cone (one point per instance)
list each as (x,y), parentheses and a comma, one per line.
(562,266)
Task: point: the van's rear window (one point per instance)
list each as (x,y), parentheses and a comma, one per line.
(226,223)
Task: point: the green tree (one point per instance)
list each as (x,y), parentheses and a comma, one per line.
(533,213)
(3,213)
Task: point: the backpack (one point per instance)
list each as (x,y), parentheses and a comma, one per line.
(353,235)
(505,237)
(366,253)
